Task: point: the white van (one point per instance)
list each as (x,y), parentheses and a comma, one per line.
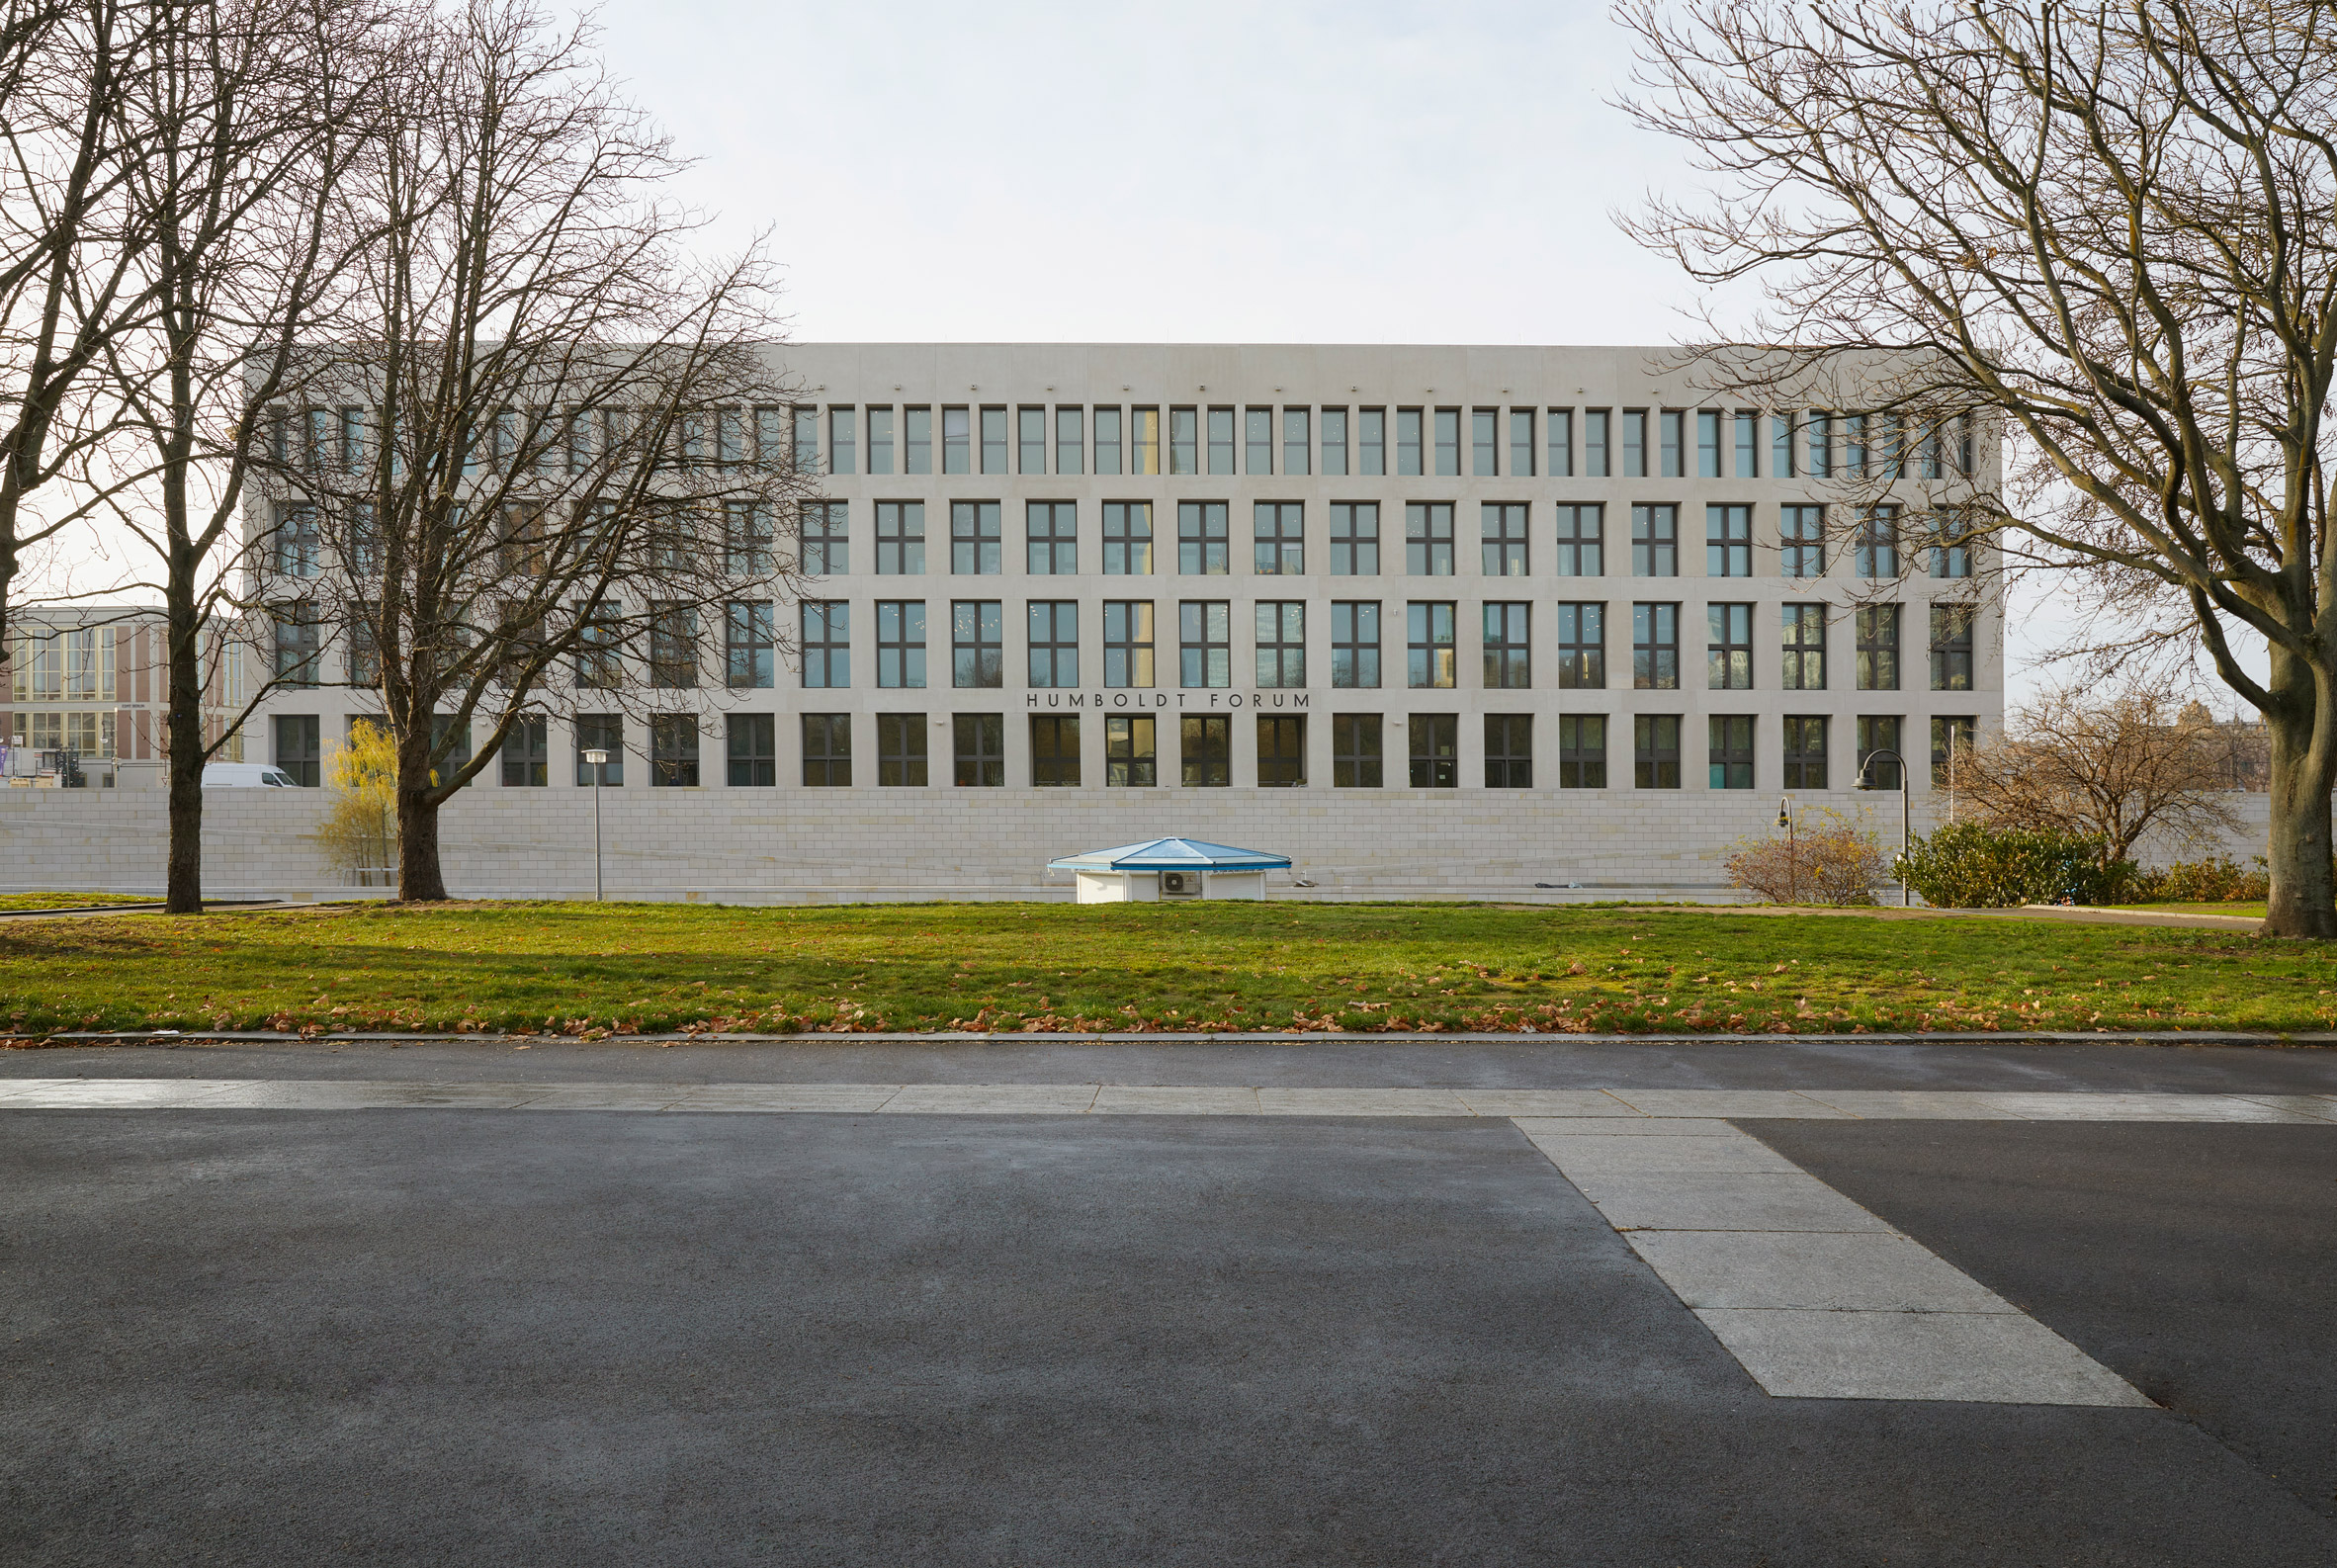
(245,775)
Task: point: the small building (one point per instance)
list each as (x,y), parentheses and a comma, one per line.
(1170,869)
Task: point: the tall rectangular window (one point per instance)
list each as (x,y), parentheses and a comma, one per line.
(1055,750)
(1635,443)
(1582,549)
(843,458)
(1655,647)
(827,538)
(1804,649)
(1877,630)
(300,643)
(1878,550)
(1354,539)
(1371,442)
(674,645)
(975,538)
(1295,441)
(1281,642)
(750,645)
(1220,441)
(1598,443)
(1144,441)
(1128,644)
(1952,647)
(1950,552)
(600,731)
(750,749)
(1709,447)
(1030,440)
(1728,541)
(1558,425)
(1507,662)
(1052,547)
(1880,733)
(879,441)
(1279,531)
(1655,541)
(978,655)
(900,538)
(1582,645)
(1107,441)
(299,748)
(806,440)
(1804,751)
(1127,538)
(527,753)
(957,440)
(916,441)
(1281,751)
(298,545)
(1335,443)
(900,644)
(673,750)
(977,746)
(1854,446)
(1508,750)
(1356,757)
(1257,441)
(1748,442)
(828,642)
(1520,443)
(1184,441)
(600,648)
(1202,549)
(1728,750)
(1354,644)
(1205,752)
(1435,750)
(1408,442)
(993,440)
(1070,441)
(901,751)
(1131,752)
(1801,533)
(1818,447)
(1581,752)
(1671,426)
(1729,655)
(1448,456)
(1655,752)
(1782,464)
(1205,642)
(1503,525)
(1484,442)
(1953,739)
(1427,539)
(1432,658)
(1054,644)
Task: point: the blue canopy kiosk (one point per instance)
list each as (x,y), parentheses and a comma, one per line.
(1170,868)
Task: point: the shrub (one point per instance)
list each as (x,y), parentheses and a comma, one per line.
(1970,866)
(360,831)
(2221,880)
(1829,860)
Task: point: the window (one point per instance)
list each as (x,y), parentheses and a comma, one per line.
(1781,449)
(1052,546)
(600,731)
(916,446)
(957,440)
(1819,447)
(1334,442)
(1728,541)
(1559,423)
(752,748)
(299,750)
(747,540)
(1354,539)
(1448,442)
(1054,642)
(1128,644)
(1801,530)
(527,753)
(828,642)
(1951,737)
(1596,435)
(1220,441)
(1655,752)
(1484,441)
(1729,654)
(1371,442)
(1435,750)
(673,750)
(900,644)
(1107,440)
(298,542)
(1205,747)
(1878,553)
(750,645)
(1581,752)
(900,538)
(1279,531)
(978,655)
(1503,526)
(1581,534)
(1634,440)
(1184,441)
(1408,442)
(901,751)
(806,440)
(1805,750)
(674,645)
(1877,733)
(1356,762)
(1952,647)
(1205,642)
(1030,440)
(1127,538)
(841,458)
(1281,642)
(1804,649)
(1354,644)
(1671,432)
(365,647)
(1295,441)
(1854,446)
(1507,664)
(1257,441)
(1131,752)
(1427,539)
(1655,541)
(1521,442)
(1728,750)
(1070,441)
(600,663)
(1144,441)
(365,542)
(1508,750)
(1950,553)
(1655,647)
(993,440)
(975,550)
(879,441)
(978,749)
(1582,645)
(1879,646)
(827,751)
(1281,752)
(1055,750)
(1201,548)
(1708,450)
(299,632)
(1748,432)
(1432,658)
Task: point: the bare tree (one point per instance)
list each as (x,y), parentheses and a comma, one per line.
(574,446)
(2105,222)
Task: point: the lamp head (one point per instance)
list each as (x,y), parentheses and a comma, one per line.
(596,756)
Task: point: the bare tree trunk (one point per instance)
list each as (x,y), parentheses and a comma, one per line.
(419,877)
(2302,895)
(183,727)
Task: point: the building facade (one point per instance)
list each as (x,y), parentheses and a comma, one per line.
(86,688)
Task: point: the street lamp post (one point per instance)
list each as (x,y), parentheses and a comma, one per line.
(600,771)
(1906,816)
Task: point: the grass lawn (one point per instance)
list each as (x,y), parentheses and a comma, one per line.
(2252,912)
(583,969)
(11,902)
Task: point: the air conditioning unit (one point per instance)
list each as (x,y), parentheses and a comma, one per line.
(1180,884)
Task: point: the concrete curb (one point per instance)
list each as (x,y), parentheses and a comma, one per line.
(2207,1037)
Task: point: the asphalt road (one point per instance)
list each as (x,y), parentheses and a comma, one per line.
(447,1336)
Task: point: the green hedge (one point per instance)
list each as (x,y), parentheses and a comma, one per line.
(1970,867)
